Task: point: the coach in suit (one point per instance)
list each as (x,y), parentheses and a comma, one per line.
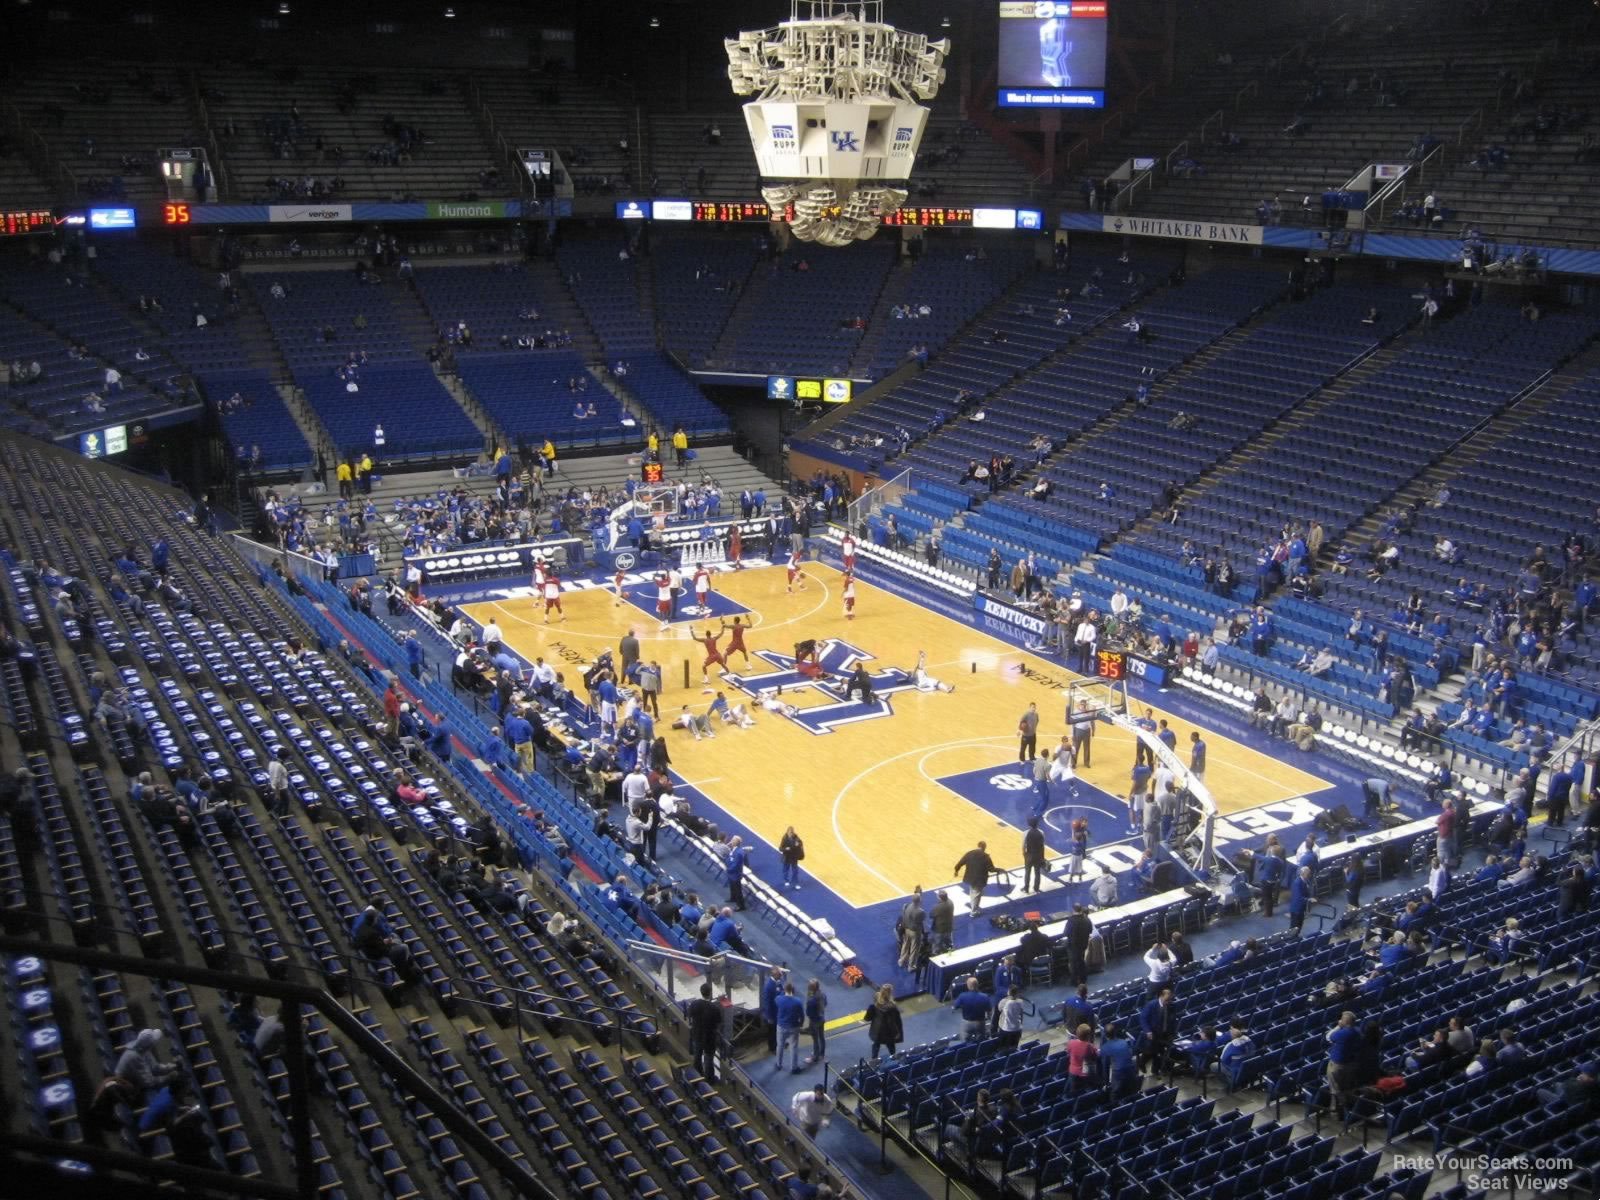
(705,1032)
(1033,856)
(1158,1022)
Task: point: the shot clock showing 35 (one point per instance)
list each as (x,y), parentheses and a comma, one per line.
(175,213)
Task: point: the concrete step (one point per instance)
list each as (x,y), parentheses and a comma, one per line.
(311,426)
(563,310)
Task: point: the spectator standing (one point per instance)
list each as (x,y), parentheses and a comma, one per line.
(1012,1009)
(790,1018)
(817,1022)
(793,851)
(1344,1052)
(738,860)
(1118,1061)
(943,919)
(771,989)
(973,1005)
(705,1032)
(884,1024)
(1082,1059)
(1299,898)
(1158,1022)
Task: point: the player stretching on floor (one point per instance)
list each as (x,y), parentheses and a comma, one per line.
(552,596)
(847,551)
(664,599)
(713,655)
(735,634)
(926,682)
(849,596)
(795,572)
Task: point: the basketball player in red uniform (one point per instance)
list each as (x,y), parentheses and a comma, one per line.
(616,583)
(735,634)
(735,548)
(795,572)
(664,599)
(714,656)
(702,585)
(538,576)
(847,550)
(552,597)
(849,596)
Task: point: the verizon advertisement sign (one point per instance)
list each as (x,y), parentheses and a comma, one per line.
(308,213)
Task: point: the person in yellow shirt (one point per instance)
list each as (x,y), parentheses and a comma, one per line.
(364,474)
(548,452)
(654,444)
(680,445)
(345,476)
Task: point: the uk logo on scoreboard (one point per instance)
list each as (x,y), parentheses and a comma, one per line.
(814,695)
(783,140)
(845,141)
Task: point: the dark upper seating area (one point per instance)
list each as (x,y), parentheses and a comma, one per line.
(311,133)
(1370,93)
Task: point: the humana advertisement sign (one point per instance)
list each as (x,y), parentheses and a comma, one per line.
(477,210)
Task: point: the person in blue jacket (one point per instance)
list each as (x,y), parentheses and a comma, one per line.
(439,741)
(414,655)
(1344,1054)
(1395,952)
(738,859)
(492,750)
(1117,1061)
(789,1015)
(1299,898)
(1269,877)
(771,989)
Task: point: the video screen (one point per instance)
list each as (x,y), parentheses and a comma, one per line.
(1052,54)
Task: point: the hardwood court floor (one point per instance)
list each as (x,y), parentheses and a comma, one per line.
(865,797)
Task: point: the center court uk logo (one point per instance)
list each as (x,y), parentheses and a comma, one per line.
(836,661)
(1010,783)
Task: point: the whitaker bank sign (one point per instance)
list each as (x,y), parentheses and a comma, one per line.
(1193,231)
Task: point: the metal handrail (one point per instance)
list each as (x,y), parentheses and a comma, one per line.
(1181,148)
(516,1173)
(1253,88)
(886,1130)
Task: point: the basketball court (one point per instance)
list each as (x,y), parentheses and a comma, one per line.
(889,794)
